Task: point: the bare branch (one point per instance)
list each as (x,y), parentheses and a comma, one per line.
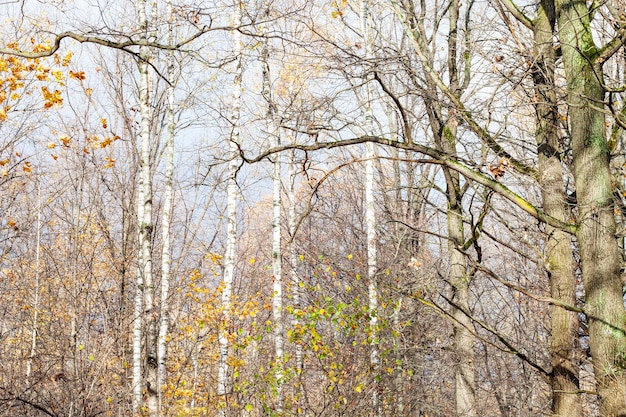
(121,45)
(512,8)
(444,159)
(612,46)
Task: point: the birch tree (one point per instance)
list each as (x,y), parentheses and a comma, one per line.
(231,214)
(277,256)
(168,196)
(144,297)
(370,211)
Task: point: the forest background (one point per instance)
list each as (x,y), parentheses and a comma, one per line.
(316,208)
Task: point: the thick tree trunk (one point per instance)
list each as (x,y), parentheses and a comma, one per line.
(446,138)
(599,251)
(559,259)
(465,385)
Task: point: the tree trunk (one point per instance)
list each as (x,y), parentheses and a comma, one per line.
(277,257)
(231,219)
(599,251)
(370,218)
(559,259)
(138,382)
(295,279)
(168,197)
(446,139)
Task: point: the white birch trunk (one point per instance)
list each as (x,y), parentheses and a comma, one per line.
(150,310)
(138,321)
(277,295)
(33,343)
(231,218)
(295,277)
(166,258)
(277,298)
(370,218)
(145,284)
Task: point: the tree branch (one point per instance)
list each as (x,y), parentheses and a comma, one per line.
(500,336)
(121,45)
(512,8)
(443,159)
(611,47)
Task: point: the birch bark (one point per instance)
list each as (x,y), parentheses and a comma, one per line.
(231,219)
(168,197)
(33,343)
(145,285)
(370,215)
(277,257)
(295,277)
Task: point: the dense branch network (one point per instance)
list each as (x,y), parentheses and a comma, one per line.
(444,159)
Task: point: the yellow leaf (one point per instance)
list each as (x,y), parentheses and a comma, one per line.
(252,261)
(301,257)
(58,75)
(67,58)
(349,256)
(51,145)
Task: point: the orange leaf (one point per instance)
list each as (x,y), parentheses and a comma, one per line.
(80,75)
